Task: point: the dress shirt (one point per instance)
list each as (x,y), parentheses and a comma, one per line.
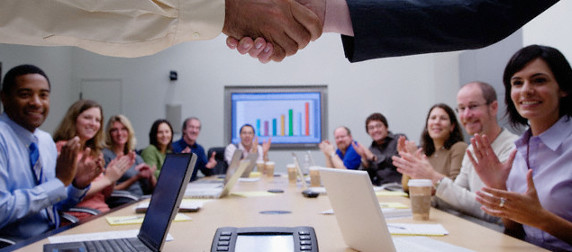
(22,202)
(550,158)
(126,28)
(229,151)
(461,193)
(351,158)
(202,158)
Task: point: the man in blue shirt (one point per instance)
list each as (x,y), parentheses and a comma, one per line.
(188,143)
(32,192)
(345,157)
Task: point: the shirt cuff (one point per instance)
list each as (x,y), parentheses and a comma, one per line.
(200,20)
(338,18)
(55,190)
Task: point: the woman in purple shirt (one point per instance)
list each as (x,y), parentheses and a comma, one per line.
(538,85)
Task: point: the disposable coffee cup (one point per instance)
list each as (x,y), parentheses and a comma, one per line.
(315,177)
(269,168)
(260,166)
(291,173)
(420,195)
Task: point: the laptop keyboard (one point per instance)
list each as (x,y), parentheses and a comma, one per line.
(128,245)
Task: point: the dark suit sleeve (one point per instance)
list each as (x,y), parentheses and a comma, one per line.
(387,28)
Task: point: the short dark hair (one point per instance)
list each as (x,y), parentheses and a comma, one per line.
(247,125)
(560,69)
(455,136)
(187,121)
(155,129)
(9,82)
(376,117)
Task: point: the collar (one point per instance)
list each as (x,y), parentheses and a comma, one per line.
(390,136)
(25,136)
(553,137)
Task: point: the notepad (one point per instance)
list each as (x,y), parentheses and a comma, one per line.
(187,205)
(417,229)
(390,193)
(138,219)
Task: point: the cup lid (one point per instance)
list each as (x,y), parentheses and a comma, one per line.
(420,182)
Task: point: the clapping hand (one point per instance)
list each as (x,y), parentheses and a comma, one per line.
(491,171)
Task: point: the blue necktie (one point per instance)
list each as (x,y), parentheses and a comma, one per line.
(38,173)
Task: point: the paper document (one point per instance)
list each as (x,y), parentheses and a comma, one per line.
(254,194)
(424,244)
(417,229)
(138,219)
(98,236)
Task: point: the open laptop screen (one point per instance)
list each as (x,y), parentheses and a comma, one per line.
(166,198)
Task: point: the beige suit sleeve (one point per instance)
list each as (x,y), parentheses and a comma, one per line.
(126,28)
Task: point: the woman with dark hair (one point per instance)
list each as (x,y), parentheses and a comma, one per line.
(441,143)
(160,140)
(538,84)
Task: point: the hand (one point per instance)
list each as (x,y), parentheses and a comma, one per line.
(212,161)
(87,169)
(266,146)
(491,171)
(118,166)
(186,150)
(144,171)
(326,147)
(404,145)
(522,208)
(362,151)
(416,166)
(66,166)
(255,145)
(286,24)
(258,48)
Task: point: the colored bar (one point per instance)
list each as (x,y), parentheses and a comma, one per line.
(291,122)
(299,124)
(265,128)
(307,105)
(257,127)
(274,126)
(282,125)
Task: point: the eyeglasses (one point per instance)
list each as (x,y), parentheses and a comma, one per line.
(471,107)
(375,126)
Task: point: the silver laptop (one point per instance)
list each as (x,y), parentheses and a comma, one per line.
(361,220)
(206,191)
(164,205)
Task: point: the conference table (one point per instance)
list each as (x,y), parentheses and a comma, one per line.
(290,208)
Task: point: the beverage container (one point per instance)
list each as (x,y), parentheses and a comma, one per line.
(315,177)
(269,168)
(260,167)
(420,195)
(291,173)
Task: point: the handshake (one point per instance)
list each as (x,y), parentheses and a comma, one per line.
(280,27)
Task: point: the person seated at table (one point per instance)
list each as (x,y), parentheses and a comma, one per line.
(83,119)
(345,157)
(188,144)
(160,140)
(531,191)
(34,184)
(477,107)
(377,159)
(441,143)
(248,144)
(139,179)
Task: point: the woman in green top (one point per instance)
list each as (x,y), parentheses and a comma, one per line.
(160,139)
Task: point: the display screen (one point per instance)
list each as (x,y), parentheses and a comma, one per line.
(291,118)
(274,243)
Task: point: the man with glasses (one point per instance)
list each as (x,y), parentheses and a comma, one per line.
(248,144)
(188,144)
(477,107)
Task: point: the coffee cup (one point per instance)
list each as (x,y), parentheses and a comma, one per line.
(420,195)
(315,177)
(269,169)
(260,166)
(291,173)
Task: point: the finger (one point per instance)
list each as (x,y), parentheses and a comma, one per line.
(266,55)
(473,161)
(511,157)
(244,45)
(231,42)
(530,181)
(308,19)
(401,144)
(259,45)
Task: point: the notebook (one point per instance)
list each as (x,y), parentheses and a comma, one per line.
(206,191)
(167,196)
(361,220)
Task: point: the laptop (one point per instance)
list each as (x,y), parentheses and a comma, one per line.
(206,191)
(361,220)
(164,205)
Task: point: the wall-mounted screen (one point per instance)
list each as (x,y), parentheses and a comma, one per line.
(293,116)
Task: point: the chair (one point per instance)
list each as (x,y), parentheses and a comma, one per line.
(120,197)
(221,165)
